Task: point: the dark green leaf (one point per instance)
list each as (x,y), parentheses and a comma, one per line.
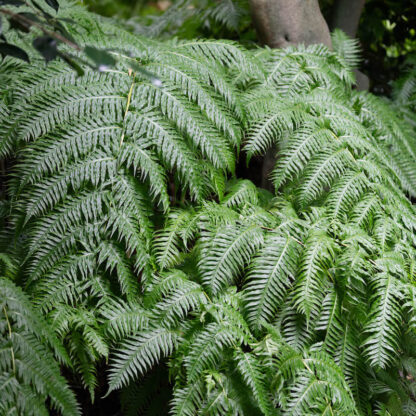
(6,49)
(100,57)
(67,20)
(37,5)
(47,47)
(72,63)
(23,26)
(59,27)
(15,3)
(54,4)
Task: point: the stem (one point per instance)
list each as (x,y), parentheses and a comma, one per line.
(298,241)
(128,105)
(28,23)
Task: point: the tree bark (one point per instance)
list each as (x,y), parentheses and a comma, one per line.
(346,16)
(280,23)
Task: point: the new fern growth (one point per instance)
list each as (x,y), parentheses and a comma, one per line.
(139,245)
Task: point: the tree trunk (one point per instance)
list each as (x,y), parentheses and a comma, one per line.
(346,16)
(280,23)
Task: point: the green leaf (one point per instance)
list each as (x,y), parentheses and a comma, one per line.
(54,4)
(6,49)
(101,58)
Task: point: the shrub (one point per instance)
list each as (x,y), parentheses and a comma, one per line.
(140,246)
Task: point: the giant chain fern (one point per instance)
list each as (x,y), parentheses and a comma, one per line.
(138,243)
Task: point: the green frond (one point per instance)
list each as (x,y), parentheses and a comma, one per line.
(302,145)
(172,149)
(193,86)
(121,319)
(143,161)
(240,193)
(50,109)
(87,206)
(27,357)
(223,396)
(113,257)
(384,321)
(67,282)
(321,172)
(312,280)
(127,225)
(190,121)
(207,348)
(346,192)
(224,253)
(252,373)
(330,321)
(138,354)
(186,400)
(207,72)
(169,241)
(225,52)
(347,48)
(51,154)
(349,358)
(98,167)
(84,362)
(318,383)
(176,306)
(271,274)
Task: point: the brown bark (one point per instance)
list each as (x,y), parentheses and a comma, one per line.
(280,23)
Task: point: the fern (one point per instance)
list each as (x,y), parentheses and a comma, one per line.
(130,232)
(29,359)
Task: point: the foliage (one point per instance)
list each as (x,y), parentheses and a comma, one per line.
(140,246)
(187,19)
(51,38)
(29,371)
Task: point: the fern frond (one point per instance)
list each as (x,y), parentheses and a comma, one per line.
(207,347)
(252,373)
(225,252)
(240,193)
(122,319)
(271,274)
(311,280)
(384,321)
(27,357)
(168,242)
(139,353)
(347,48)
